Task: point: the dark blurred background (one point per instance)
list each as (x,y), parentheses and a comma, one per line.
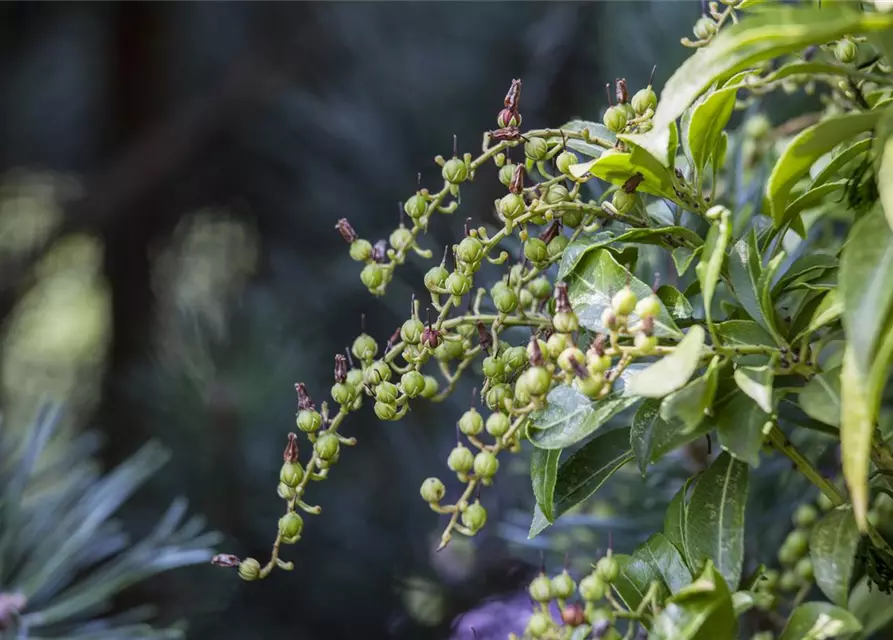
(172,174)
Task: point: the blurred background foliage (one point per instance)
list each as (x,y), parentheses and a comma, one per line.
(172,174)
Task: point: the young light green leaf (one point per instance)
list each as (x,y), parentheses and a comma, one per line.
(841,160)
(866,271)
(564,426)
(820,397)
(617,167)
(634,580)
(543,474)
(756,382)
(832,549)
(652,437)
(708,119)
(739,424)
(690,404)
(583,473)
(715,254)
(676,304)
(703,610)
(856,430)
(674,519)
(819,621)
(577,250)
(714,524)
(666,560)
(672,371)
(594,281)
(814,197)
(811,144)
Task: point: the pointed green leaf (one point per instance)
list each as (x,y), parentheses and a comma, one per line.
(819,621)
(708,119)
(674,519)
(596,130)
(820,397)
(856,430)
(739,424)
(577,250)
(839,161)
(543,474)
(750,281)
(616,167)
(872,607)
(583,473)
(756,382)
(704,611)
(714,525)
(829,310)
(683,257)
(652,437)
(691,403)
(597,277)
(676,304)
(710,267)
(570,417)
(667,562)
(810,265)
(634,580)
(832,549)
(672,371)
(744,332)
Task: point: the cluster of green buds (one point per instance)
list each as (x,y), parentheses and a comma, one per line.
(711,21)
(630,116)
(588,603)
(793,555)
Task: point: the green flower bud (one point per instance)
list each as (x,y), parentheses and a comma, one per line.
(450,349)
(376,373)
(536,148)
(596,363)
(309,421)
(804,569)
(475,516)
(385,410)
(415,207)
(556,344)
(372,275)
(590,387)
(563,586)
(326,446)
(498,424)
(455,171)
(360,250)
(401,238)
(249,569)
(343,393)
(387,392)
(364,347)
(805,516)
(432,490)
(291,474)
(458,284)
(570,355)
(624,302)
(824,502)
(769,580)
(431,387)
(436,277)
(592,588)
(285,492)
(845,51)
(471,423)
(355,377)
(506,173)
(798,542)
(623,201)
(788,582)
(461,459)
(504,299)
(704,28)
(537,381)
(515,358)
(493,367)
(486,465)
(615,119)
(607,569)
(535,250)
(540,288)
(648,307)
(565,322)
(412,383)
(522,395)
(645,344)
(557,245)
(643,100)
(556,194)
(540,589)
(470,250)
(609,319)
(511,206)
(572,218)
(291,525)
(411,331)
(564,161)
(786,556)
(539,624)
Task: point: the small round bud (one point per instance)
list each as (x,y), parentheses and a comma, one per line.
(493,367)
(470,250)
(360,250)
(249,569)
(567,359)
(804,569)
(788,582)
(508,118)
(431,387)
(643,100)
(609,319)
(623,201)
(326,446)
(486,464)
(506,173)
(536,148)
(401,238)
(436,277)
(526,298)
(705,28)
(798,542)
(309,421)
(511,206)
(376,373)
(504,299)
(461,459)
(475,516)
(285,492)
(458,284)
(769,580)
(563,586)
(607,569)
(615,119)
(645,344)
(364,347)
(824,502)
(498,424)
(540,288)
(343,393)
(596,363)
(411,331)
(805,516)
(412,383)
(556,344)
(592,588)
(535,250)
(624,302)
(514,358)
(557,245)
(291,525)
(556,194)
(590,387)
(540,589)
(450,349)
(565,322)
(415,207)
(564,161)
(648,307)
(496,396)
(845,51)
(537,381)
(372,275)
(572,218)
(387,392)
(291,474)
(432,490)
(538,625)
(471,423)
(455,171)
(385,410)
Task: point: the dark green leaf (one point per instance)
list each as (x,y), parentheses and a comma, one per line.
(812,264)
(828,310)
(597,277)
(815,197)
(676,303)
(636,576)
(666,560)
(674,519)
(832,549)
(576,250)
(570,417)
(746,274)
(710,267)
(819,621)
(543,473)
(744,332)
(820,397)
(885,180)
(739,424)
(856,430)
(756,382)
(583,473)
(652,437)
(714,525)
(703,611)
(690,404)
(872,607)
(683,257)
(839,161)
(596,130)
(672,371)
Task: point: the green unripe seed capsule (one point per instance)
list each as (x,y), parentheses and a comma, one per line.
(572,218)
(805,516)
(401,238)
(285,491)
(458,284)
(540,288)
(556,194)
(496,396)
(387,392)
(376,373)
(470,250)
(249,569)
(455,171)
(461,459)
(845,51)
(597,364)
(565,322)
(607,569)
(493,367)
(788,582)
(592,588)
(326,446)
(564,161)
(567,358)
(343,393)
(646,345)
(536,250)
(514,358)
(624,302)
(623,201)
(536,148)
(704,28)
(590,387)
(769,580)
(563,586)
(504,299)
(615,119)
(385,410)
(415,207)
(537,381)
(412,383)
(450,350)
(475,516)
(506,173)
(486,464)
(372,275)
(431,387)
(648,307)
(643,100)
(538,625)
(557,245)
(309,421)
(804,569)
(511,206)
(798,542)
(291,525)
(540,589)
(498,424)
(364,347)
(432,490)
(526,298)
(360,250)
(471,423)
(436,277)
(824,502)
(556,344)
(291,474)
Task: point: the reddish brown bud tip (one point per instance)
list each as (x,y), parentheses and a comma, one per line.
(513,97)
(346,231)
(516,186)
(304,401)
(340,368)
(598,345)
(484,337)
(392,340)
(380,251)
(562,303)
(431,337)
(534,353)
(291,449)
(621,91)
(579,370)
(633,183)
(551,232)
(648,325)
(572,615)
(225,560)
(507,133)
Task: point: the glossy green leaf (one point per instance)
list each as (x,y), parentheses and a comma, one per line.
(872,607)
(710,267)
(674,519)
(810,266)
(577,250)
(839,161)
(814,197)
(670,372)
(820,397)
(739,425)
(756,382)
(617,167)
(596,130)
(866,274)
(714,524)
(666,560)
(584,472)
(885,181)
(807,147)
(832,549)
(829,310)
(652,437)
(856,430)
(744,332)
(819,621)
(703,611)
(543,474)
(683,258)
(634,580)
(595,280)
(676,304)
(708,119)
(570,417)
(691,403)
(751,283)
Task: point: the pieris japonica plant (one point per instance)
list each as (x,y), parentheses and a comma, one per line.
(665,282)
